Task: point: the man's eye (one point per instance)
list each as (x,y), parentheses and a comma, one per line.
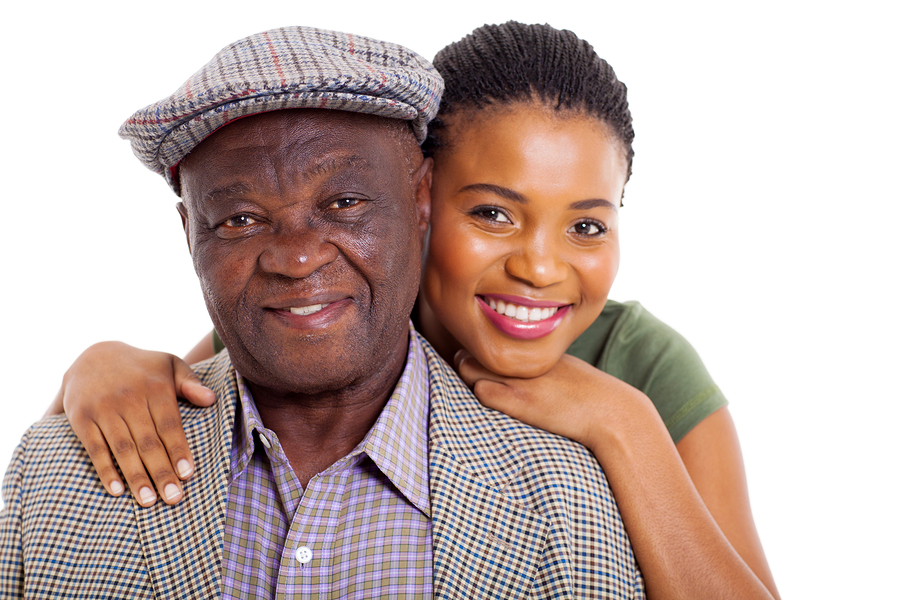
(588,228)
(491,213)
(239,221)
(345,202)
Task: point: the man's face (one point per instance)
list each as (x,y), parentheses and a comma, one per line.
(306,228)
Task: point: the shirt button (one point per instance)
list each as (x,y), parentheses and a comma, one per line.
(303,555)
(265,441)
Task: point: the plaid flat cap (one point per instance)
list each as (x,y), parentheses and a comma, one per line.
(290,67)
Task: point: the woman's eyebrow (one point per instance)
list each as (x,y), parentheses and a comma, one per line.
(593,203)
(497,191)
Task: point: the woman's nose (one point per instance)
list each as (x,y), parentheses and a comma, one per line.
(297,253)
(538,262)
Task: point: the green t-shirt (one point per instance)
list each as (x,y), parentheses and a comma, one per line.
(630,344)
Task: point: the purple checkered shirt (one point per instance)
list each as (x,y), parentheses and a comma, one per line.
(362,527)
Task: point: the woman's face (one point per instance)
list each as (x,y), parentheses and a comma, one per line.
(524,241)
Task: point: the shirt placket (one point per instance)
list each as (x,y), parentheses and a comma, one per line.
(307,561)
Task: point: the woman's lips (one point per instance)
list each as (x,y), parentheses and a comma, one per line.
(530,322)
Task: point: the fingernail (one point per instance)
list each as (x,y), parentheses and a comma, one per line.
(172,492)
(116,488)
(184,468)
(147,496)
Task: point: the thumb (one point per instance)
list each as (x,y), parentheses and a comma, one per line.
(188,385)
(498,396)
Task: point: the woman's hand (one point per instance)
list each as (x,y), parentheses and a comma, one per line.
(686,508)
(121,401)
(563,401)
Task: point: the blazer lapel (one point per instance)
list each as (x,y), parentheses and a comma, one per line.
(485,544)
(183,544)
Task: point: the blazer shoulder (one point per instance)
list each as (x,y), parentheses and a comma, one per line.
(504,492)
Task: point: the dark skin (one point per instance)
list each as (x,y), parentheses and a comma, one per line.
(305,229)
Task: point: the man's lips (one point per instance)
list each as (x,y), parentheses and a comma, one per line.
(307,310)
(307,307)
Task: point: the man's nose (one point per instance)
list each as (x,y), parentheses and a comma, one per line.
(297,252)
(537,261)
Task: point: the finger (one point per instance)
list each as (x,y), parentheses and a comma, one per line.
(93,441)
(152,450)
(471,371)
(119,438)
(167,420)
(496,395)
(188,385)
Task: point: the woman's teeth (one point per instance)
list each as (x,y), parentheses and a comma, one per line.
(307,310)
(521,313)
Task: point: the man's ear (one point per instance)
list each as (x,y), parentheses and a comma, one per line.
(422,178)
(185,223)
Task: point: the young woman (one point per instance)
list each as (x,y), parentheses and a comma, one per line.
(532,150)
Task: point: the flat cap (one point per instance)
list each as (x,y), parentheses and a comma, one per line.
(290,67)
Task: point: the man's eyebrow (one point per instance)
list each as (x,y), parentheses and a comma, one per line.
(330,164)
(592,203)
(497,190)
(235,189)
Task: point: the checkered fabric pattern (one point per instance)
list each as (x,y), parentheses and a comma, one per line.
(366,519)
(516,511)
(290,67)
(63,536)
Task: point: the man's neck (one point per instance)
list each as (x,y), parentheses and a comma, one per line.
(317,430)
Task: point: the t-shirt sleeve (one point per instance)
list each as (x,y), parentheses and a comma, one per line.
(218,346)
(646,353)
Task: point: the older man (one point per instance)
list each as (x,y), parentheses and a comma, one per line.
(343,458)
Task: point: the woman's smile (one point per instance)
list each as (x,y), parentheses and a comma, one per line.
(522,309)
(522,322)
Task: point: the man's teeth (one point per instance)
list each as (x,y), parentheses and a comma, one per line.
(307,310)
(521,313)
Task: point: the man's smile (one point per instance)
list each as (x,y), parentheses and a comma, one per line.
(307,310)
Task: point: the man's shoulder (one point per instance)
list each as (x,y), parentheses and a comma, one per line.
(503,491)
(61,531)
(463,427)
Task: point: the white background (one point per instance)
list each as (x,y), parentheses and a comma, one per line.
(761,221)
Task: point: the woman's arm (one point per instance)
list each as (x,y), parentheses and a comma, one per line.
(122,402)
(685,508)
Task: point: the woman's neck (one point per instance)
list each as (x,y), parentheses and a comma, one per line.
(430,327)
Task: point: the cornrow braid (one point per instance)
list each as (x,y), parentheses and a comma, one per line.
(513,62)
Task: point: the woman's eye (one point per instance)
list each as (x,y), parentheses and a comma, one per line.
(491,213)
(587,228)
(240,221)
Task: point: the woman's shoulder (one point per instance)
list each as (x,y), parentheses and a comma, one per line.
(618,322)
(631,344)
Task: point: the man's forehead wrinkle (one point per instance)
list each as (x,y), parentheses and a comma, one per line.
(329,165)
(229,191)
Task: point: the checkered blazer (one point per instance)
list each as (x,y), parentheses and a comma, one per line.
(517,512)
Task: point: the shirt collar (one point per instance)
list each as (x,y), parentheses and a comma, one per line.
(397,443)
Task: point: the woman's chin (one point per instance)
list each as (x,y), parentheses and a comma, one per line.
(517,368)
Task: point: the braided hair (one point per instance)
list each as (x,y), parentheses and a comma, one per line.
(513,62)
